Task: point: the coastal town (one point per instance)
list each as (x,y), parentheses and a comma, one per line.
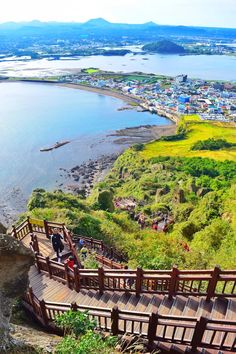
(167,96)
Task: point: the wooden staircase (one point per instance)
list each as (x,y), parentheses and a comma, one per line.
(178,311)
(54,291)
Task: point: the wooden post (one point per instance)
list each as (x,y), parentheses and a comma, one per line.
(35,243)
(102,246)
(14,231)
(76,278)
(213,283)
(49,267)
(139,280)
(64,232)
(37,262)
(91,242)
(67,275)
(46,228)
(173,282)
(198,333)
(31,297)
(115,321)
(29,225)
(74,306)
(44,312)
(152,329)
(111,252)
(101,279)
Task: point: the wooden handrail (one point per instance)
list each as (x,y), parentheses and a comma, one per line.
(119,321)
(209,283)
(135,281)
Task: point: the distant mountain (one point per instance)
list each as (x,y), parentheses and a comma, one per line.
(97,22)
(164,47)
(150,24)
(100,29)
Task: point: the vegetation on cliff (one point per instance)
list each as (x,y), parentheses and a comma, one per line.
(196,189)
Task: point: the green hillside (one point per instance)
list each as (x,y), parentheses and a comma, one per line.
(164,47)
(195,190)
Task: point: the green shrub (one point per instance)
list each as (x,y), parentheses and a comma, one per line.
(175,137)
(105,200)
(75,323)
(89,343)
(138,147)
(91,262)
(88,225)
(212,144)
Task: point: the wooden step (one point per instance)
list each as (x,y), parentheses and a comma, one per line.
(176,309)
(154,303)
(165,305)
(218,312)
(190,310)
(113,300)
(230,315)
(204,308)
(164,309)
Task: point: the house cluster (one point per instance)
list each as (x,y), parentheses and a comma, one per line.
(172,96)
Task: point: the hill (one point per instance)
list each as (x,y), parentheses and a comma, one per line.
(165,47)
(190,194)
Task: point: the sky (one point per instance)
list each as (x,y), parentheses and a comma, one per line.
(211,13)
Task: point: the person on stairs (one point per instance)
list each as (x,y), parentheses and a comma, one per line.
(57,243)
(84,252)
(70,262)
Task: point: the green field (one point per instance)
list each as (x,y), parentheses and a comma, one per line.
(91,71)
(197,130)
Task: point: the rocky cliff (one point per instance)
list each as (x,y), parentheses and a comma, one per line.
(15,261)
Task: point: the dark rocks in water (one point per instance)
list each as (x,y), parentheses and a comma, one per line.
(89,173)
(15,261)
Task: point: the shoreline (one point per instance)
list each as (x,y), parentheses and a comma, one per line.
(83,177)
(128,99)
(101,91)
(141,103)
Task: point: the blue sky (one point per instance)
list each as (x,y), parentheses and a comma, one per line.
(219,13)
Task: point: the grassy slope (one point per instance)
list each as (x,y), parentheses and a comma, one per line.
(198,131)
(207,223)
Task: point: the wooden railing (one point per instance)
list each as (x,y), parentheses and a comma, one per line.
(100,248)
(105,255)
(209,283)
(191,331)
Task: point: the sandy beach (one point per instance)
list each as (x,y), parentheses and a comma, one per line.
(106,92)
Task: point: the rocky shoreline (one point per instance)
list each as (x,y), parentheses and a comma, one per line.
(80,179)
(142,134)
